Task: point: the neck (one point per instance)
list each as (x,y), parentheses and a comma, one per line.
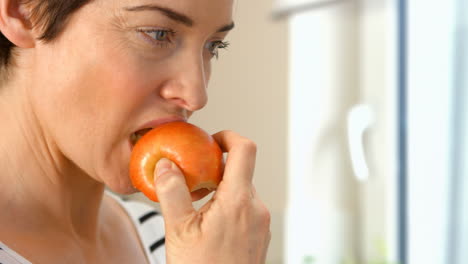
(39,187)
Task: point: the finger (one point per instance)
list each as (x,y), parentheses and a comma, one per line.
(265,249)
(172,192)
(240,163)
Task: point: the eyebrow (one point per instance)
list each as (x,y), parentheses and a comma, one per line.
(176,16)
(226,28)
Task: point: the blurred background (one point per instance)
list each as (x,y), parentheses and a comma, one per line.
(358,110)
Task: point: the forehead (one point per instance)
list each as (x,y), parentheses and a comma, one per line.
(198,10)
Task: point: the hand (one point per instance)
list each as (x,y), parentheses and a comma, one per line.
(233,227)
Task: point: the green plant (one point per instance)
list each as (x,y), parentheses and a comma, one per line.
(308,260)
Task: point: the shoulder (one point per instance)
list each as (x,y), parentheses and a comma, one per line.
(149,224)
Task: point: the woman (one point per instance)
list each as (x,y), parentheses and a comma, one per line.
(79,77)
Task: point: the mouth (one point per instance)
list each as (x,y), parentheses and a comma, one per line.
(137,135)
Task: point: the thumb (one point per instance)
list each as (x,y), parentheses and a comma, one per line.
(172,191)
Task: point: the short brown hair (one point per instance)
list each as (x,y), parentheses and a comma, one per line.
(50,15)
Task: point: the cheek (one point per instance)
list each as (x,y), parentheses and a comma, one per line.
(88,91)
(112,95)
(127,84)
(87,106)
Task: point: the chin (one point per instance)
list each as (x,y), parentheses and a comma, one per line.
(123,187)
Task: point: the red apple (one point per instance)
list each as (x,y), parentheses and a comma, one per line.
(193,150)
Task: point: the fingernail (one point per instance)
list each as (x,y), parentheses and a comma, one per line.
(162,166)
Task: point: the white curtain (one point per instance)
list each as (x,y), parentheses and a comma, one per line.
(437,126)
(459,210)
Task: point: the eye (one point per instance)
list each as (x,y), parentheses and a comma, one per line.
(158,35)
(214,47)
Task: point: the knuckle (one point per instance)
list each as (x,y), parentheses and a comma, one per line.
(254,191)
(248,145)
(242,201)
(239,204)
(268,239)
(230,132)
(265,216)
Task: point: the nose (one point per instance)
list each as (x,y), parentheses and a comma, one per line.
(186,87)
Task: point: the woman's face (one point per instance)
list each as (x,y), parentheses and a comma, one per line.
(120,66)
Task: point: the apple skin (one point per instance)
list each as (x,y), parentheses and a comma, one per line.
(193,150)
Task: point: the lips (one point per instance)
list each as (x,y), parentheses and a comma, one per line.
(135,136)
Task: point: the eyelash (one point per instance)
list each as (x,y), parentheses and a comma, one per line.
(219,44)
(161,39)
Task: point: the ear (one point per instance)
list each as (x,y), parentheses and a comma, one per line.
(15,23)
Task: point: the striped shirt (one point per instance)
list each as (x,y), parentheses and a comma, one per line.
(148,222)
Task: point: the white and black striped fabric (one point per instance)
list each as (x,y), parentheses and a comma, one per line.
(8,256)
(150,226)
(148,222)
